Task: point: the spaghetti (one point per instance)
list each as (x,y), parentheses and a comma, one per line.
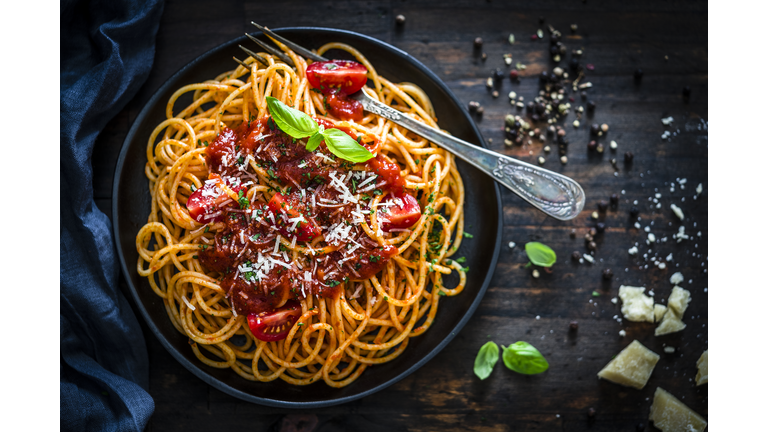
(280,262)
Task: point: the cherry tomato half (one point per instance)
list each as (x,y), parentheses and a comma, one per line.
(205,201)
(304,230)
(342,75)
(402,214)
(275,325)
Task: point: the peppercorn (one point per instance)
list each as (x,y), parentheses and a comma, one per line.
(584,95)
(602,206)
(574,64)
(480,111)
(591,412)
(498,75)
(614,200)
(478,42)
(573,233)
(400,19)
(628,156)
(588,238)
(634,212)
(600,227)
(638,75)
(592,246)
(594,129)
(574,325)
(495,94)
(473,106)
(544,76)
(514,75)
(551,130)
(593,232)
(576,255)
(600,148)
(529,106)
(591,105)
(607,274)
(561,132)
(592,145)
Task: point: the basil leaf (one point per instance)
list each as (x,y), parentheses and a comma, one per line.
(343,146)
(524,358)
(314,141)
(540,254)
(486,359)
(291,121)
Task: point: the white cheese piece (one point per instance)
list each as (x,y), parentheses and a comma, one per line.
(632,367)
(678,301)
(678,211)
(702,376)
(671,415)
(658,312)
(635,305)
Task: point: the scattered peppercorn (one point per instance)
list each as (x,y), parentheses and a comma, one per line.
(400,19)
(592,246)
(594,129)
(600,227)
(634,212)
(591,105)
(592,145)
(495,94)
(591,412)
(574,325)
(628,156)
(473,106)
(604,127)
(600,148)
(478,42)
(573,233)
(593,231)
(638,75)
(607,274)
(484,56)
(576,255)
(498,75)
(480,111)
(514,75)
(588,237)
(614,200)
(602,206)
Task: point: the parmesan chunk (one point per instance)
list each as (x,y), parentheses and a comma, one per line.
(632,367)
(671,415)
(669,324)
(702,376)
(658,311)
(635,305)
(678,301)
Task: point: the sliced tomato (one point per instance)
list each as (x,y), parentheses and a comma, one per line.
(274,325)
(304,231)
(343,75)
(403,213)
(204,202)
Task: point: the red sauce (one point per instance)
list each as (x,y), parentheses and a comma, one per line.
(312,203)
(341,106)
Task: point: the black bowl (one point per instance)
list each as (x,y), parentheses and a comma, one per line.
(131,205)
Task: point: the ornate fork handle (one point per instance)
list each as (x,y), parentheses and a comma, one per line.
(554,194)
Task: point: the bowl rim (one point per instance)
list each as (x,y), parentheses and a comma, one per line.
(195,368)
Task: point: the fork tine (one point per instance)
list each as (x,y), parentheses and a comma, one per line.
(298,49)
(243,64)
(259,58)
(274,51)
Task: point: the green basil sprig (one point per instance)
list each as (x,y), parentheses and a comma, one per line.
(540,254)
(524,358)
(486,359)
(299,125)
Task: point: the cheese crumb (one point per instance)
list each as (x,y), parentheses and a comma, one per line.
(676,278)
(633,250)
(678,211)
(622,333)
(702,376)
(669,349)
(636,306)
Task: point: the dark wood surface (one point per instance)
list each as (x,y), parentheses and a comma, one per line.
(668,40)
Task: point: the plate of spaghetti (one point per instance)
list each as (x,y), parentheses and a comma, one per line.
(289,248)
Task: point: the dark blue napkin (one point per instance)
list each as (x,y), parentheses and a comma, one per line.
(107,49)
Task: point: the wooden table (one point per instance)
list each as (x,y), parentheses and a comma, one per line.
(668,40)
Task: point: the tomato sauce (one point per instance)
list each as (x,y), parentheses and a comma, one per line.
(321,196)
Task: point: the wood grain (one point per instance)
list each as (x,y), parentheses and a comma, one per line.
(617,38)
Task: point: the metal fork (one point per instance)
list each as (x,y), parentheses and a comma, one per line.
(555,194)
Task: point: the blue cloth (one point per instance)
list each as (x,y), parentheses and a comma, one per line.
(107,49)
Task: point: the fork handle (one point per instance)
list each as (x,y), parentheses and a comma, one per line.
(555,194)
